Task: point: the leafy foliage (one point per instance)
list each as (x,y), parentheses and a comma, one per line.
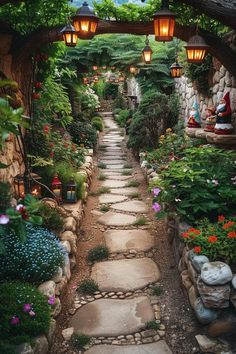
(13,298)
(51,218)
(35,260)
(97,123)
(83,134)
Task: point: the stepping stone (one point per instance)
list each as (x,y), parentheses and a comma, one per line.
(114,167)
(111,198)
(113,162)
(126,240)
(125,274)
(115,148)
(132,206)
(117,177)
(113,156)
(112,317)
(116,219)
(154,348)
(111,183)
(125,191)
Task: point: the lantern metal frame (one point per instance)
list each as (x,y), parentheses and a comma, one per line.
(176,70)
(28,183)
(147,52)
(85,22)
(70,192)
(56,188)
(70,36)
(196,49)
(164,23)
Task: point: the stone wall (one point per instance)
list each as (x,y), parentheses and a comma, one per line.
(222,82)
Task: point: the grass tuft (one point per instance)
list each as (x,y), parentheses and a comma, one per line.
(102,165)
(128,166)
(87,287)
(152,325)
(156,290)
(98,253)
(78,341)
(104,208)
(127,173)
(134,195)
(102,177)
(140,221)
(132,184)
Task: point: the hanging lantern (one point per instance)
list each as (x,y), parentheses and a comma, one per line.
(85,22)
(71,192)
(147,52)
(19,186)
(95,67)
(56,188)
(196,49)
(70,35)
(164,23)
(176,70)
(132,69)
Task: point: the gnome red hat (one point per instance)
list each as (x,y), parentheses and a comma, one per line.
(227,102)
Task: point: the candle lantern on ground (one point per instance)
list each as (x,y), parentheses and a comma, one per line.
(19,186)
(34,186)
(71,192)
(56,188)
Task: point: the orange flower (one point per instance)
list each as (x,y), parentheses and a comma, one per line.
(185,234)
(221,218)
(228,224)
(197,249)
(212,239)
(194,231)
(231,234)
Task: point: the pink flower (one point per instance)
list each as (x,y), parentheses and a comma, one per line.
(156,191)
(32,313)
(15,321)
(26,307)
(4,219)
(156,207)
(51,300)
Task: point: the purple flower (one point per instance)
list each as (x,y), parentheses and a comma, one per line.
(51,300)
(4,219)
(156,207)
(15,321)
(26,307)
(32,313)
(156,191)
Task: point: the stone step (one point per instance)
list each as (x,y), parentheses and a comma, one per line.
(111,183)
(125,191)
(111,198)
(154,348)
(125,274)
(132,206)
(116,219)
(126,240)
(112,317)
(119,177)
(113,162)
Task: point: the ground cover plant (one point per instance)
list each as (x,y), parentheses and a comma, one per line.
(98,253)
(87,287)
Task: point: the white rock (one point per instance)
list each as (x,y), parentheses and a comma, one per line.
(66,245)
(67,333)
(58,275)
(41,345)
(198,262)
(234,281)
(24,348)
(216,273)
(70,224)
(47,288)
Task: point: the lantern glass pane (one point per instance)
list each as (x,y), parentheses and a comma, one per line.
(164,27)
(84,25)
(147,56)
(93,26)
(74,38)
(76,25)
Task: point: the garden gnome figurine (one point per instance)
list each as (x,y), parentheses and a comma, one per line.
(223,116)
(210,119)
(194,120)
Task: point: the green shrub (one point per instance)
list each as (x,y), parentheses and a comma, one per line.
(116,111)
(51,218)
(98,253)
(111,91)
(13,297)
(123,117)
(153,325)
(97,123)
(87,287)
(83,133)
(35,260)
(78,341)
(127,173)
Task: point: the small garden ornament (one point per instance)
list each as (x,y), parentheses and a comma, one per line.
(194,120)
(223,116)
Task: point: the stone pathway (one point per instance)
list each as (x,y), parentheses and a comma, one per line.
(117,316)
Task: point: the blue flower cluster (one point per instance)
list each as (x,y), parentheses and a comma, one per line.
(35,260)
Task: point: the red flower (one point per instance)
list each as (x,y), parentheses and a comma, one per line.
(52,154)
(185,235)
(212,239)
(194,231)
(221,218)
(231,234)
(46,129)
(51,145)
(197,249)
(228,224)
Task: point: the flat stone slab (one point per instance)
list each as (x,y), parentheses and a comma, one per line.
(126,240)
(154,348)
(114,148)
(119,177)
(116,219)
(113,162)
(112,183)
(124,191)
(111,198)
(132,206)
(112,155)
(112,317)
(125,274)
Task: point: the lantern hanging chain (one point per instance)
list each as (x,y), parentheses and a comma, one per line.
(165,4)
(147,40)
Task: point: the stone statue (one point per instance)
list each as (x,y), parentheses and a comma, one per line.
(210,119)
(223,116)
(194,120)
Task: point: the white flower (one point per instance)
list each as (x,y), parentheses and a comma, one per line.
(4,219)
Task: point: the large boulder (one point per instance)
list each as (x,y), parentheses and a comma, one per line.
(216,273)
(214,296)
(203,314)
(234,281)
(198,261)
